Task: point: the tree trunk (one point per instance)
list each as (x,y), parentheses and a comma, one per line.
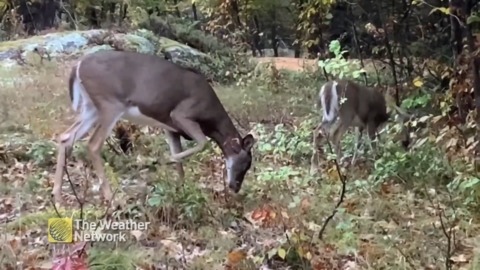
(474,63)
(236,13)
(256,35)
(177,11)
(194,11)
(455,30)
(390,55)
(298,33)
(273,33)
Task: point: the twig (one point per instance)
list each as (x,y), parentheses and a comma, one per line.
(357,46)
(69,15)
(449,233)
(55,207)
(342,194)
(80,202)
(409,261)
(110,145)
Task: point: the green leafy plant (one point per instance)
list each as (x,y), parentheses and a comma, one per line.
(469,186)
(189,200)
(420,100)
(427,165)
(339,66)
(42,152)
(285,143)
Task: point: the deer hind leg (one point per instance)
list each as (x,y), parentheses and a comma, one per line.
(337,135)
(372,134)
(315,155)
(358,143)
(103,129)
(65,144)
(175,145)
(192,129)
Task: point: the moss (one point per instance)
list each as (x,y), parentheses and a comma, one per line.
(139,44)
(15,44)
(97,48)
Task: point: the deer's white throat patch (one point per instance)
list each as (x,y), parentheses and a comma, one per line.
(229,164)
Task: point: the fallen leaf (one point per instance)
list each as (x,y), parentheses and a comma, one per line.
(171,246)
(351,265)
(271,253)
(137,234)
(258,214)
(459,258)
(418,82)
(282,253)
(305,204)
(236,256)
(285,215)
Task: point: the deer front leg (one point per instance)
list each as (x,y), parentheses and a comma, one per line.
(337,135)
(314,158)
(371,129)
(193,130)
(175,145)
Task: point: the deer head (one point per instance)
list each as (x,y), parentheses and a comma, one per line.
(147,90)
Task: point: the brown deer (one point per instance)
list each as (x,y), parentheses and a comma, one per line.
(346,104)
(111,85)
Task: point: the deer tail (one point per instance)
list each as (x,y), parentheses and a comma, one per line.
(329,101)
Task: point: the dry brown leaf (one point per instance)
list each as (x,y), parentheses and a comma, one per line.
(461,258)
(172,246)
(236,257)
(305,204)
(333,173)
(137,234)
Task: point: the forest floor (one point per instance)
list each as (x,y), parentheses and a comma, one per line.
(289,63)
(308,65)
(274,223)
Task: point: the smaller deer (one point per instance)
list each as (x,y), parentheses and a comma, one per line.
(346,104)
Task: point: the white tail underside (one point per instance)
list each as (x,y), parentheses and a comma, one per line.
(81,102)
(332,113)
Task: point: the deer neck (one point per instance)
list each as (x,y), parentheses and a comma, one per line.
(225,134)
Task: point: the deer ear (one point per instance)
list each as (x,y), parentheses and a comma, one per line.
(248,142)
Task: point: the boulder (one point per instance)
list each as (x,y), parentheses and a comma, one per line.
(61,45)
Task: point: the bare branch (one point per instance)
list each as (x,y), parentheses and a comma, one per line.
(340,200)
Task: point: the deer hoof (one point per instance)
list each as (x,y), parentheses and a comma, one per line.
(107,196)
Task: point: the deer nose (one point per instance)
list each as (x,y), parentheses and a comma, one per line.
(234,187)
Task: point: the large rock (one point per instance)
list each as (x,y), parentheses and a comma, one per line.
(76,43)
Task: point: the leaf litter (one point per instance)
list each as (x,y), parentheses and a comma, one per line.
(276,231)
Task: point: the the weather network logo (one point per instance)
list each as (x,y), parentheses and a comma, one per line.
(60,230)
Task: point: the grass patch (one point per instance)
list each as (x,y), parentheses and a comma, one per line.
(36,98)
